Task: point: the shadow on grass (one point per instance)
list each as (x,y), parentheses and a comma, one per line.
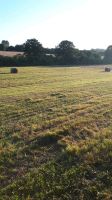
(4,73)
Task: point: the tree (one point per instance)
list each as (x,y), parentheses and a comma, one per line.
(19,48)
(33,48)
(11,48)
(5,44)
(108,55)
(33,51)
(1,47)
(65,52)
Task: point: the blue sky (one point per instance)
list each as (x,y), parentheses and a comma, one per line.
(87,23)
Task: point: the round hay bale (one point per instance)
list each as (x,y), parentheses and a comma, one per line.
(13,70)
(107,69)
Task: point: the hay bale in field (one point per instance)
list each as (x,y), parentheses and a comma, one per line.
(107,69)
(13,70)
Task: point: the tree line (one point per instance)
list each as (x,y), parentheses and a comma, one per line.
(65,53)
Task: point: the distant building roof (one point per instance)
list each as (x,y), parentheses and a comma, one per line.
(50,54)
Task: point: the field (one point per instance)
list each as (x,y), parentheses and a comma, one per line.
(10,53)
(56,134)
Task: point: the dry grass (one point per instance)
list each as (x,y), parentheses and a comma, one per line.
(10,53)
(60,117)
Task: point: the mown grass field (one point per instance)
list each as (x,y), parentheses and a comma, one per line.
(56,134)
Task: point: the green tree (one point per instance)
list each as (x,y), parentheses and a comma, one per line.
(33,51)
(1,47)
(65,52)
(108,55)
(19,48)
(5,44)
(33,48)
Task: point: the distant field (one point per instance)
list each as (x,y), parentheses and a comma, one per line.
(10,53)
(55,133)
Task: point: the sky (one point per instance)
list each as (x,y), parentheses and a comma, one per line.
(87,23)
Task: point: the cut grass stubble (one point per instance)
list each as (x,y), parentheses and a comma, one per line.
(55,130)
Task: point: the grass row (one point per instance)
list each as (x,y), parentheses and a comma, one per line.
(55,134)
